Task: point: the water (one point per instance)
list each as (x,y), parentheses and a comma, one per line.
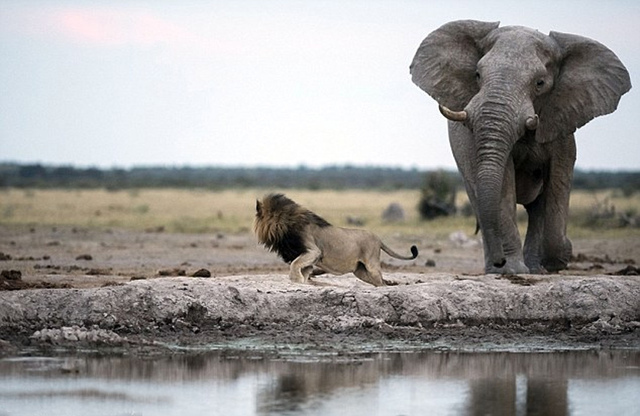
(240,383)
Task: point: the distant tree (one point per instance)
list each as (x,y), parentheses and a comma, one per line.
(438,188)
(32,172)
(438,195)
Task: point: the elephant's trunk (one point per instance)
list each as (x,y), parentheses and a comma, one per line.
(496,126)
(498,115)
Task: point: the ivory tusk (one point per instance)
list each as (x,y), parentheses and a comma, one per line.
(531,123)
(453,115)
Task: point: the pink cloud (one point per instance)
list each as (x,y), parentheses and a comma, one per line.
(96,26)
(116,27)
(87,27)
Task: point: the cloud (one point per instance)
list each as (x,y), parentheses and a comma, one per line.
(110,27)
(95,26)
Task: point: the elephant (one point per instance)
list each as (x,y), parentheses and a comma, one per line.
(514,98)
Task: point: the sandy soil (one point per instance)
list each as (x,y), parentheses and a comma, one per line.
(136,290)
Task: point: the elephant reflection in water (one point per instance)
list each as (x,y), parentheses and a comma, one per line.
(495,384)
(501,397)
(514,98)
(292,392)
(289,394)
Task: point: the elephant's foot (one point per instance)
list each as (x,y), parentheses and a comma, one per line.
(548,265)
(533,262)
(512,266)
(537,269)
(560,258)
(555,265)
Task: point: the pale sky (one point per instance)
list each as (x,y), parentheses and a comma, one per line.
(262,83)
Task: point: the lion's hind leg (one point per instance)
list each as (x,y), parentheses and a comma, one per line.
(317,271)
(369,274)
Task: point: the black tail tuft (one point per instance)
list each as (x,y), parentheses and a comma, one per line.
(414,251)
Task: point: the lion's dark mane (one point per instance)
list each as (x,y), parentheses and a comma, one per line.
(290,219)
(290,246)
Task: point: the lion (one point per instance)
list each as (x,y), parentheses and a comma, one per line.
(312,246)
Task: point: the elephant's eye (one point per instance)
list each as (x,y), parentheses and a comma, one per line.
(477,76)
(540,83)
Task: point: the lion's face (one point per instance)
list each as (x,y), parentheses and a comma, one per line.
(269,224)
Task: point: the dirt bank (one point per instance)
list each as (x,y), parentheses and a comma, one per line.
(119,289)
(445,310)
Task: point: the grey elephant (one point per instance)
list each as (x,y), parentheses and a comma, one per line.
(514,98)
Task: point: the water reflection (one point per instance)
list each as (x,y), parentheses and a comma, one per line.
(232,383)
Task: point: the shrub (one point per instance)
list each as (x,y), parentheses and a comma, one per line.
(438,195)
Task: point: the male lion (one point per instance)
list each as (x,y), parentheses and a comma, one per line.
(305,240)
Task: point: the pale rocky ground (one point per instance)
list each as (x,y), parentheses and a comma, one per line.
(135,291)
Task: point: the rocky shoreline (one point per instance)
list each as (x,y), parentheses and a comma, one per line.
(336,314)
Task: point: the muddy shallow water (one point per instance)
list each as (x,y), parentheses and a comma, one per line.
(258,383)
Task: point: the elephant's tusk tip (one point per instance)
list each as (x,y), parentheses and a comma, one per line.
(531,123)
(453,115)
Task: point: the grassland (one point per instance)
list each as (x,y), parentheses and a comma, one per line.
(201,211)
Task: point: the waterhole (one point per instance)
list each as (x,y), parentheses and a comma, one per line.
(254,383)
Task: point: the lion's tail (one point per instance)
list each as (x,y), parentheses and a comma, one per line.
(414,252)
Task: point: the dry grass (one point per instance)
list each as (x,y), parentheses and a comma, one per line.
(585,206)
(175,210)
(178,210)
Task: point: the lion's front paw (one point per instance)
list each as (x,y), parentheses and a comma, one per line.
(297,277)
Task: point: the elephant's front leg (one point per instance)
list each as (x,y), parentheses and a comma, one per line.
(511,242)
(535,233)
(547,247)
(556,247)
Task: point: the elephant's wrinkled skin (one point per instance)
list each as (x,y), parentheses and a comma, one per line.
(514,98)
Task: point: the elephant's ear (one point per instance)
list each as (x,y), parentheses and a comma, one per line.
(590,83)
(446,62)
